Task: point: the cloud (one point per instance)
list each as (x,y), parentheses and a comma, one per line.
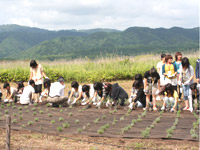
(85,14)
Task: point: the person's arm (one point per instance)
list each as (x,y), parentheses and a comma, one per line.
(80,95)
(70,96)
(31,75)
(145,84)
(44,74)
(176,102)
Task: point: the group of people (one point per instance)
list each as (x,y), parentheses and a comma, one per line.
(170,82)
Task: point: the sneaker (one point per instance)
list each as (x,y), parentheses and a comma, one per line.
(163,108)
(186,108)
(155,109)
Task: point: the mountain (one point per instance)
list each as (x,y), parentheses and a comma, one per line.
(18,42)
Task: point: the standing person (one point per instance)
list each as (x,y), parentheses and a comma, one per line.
(151,86)
(10,92)
(170,99)
(37,74)
(169,70)
(27,95)
(159,69)
(75,94)
(56,94)
(186,78)
(177,63)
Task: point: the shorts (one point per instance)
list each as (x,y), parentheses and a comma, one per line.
(38,88)
(152,89)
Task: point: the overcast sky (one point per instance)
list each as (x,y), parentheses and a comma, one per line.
(87,14)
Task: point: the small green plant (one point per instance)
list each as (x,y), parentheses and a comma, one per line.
(8,105)
(41,128)
(15,115)
(50,115)
(66,125)
(41,112)
(14,121)
(61,110)
(20,118)
(60,106)
(61,119)
(30,123)
(84,127)
(14,107)
(25,107)
(6,111)
(79,130)
(34,113)
(48,105)
(70,114)
(59,129)
(88,124)
(19,108)
(52,121)
(100,131)
(121,118)
(115,110)
(20,112)
(36,119)
(27,111)
(35,104)
(103,117)
(70,107)
(33,109)
(76,121)
(96,121)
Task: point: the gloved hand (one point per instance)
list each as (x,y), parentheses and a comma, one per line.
(74,101)
(187,82)
(179,82)
(69,101)
(98,104)
(157,92)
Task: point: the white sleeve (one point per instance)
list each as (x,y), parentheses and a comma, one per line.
(191,71)
(33,90)
(190,95)
(158,65)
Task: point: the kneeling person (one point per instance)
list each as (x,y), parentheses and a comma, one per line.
(27,95)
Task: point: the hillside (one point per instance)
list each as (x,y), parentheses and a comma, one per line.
(18,42)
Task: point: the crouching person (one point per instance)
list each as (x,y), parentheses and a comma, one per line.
(45,93)
(170,99)
(88,95)
(117,94)
(27,95)
(75,94)
(10,92)
(194,94)
(56,94)
(140,98)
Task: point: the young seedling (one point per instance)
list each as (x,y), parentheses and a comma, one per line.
(19,108)
(61,110)
(61,119)
(88,124)
(96,121)
(36,119)
(79,130)
(6,111)
(35,104)
(15,115)
(52,121)
(14,121)
(41,128)
(60,129)
(34,113)
(8,105)
(121,118)
(33,109)
(30,123)
(48,105)
(25,107)
(20,118)
(76,121)
(14,107)
(100,131)
(20,112)
(104,117)
(41,112)
(66,125)
(27,111)
(70,114)
(50,115)
(115,110)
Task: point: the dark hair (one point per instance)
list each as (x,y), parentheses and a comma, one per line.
(177,54)
(193,86)
(47,83)
(61,79)
(5,85)
(138,77)
(31,82)
(33,64)
(163,56)
(98,86)
(185,62)
(153,72)
(85,88)
(108,87)
(169,88)
(136,84)
(20,85)
(74,84)
(167,57)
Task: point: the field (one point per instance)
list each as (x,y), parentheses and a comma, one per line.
(86,70)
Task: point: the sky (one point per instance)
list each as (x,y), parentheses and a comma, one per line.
(89,14)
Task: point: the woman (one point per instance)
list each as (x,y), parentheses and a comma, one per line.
(186,78)
(37,74)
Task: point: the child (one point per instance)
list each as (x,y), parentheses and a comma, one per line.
(20,88)
(45,93)
(140,98)
(194,94)
(88,94)
(151,86)
(170,99)
(27,95)
(75,94)
(10,92)
(138,77)
(159,69)
(185,79)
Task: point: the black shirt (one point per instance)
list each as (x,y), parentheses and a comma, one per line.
(147,75)
(118,92)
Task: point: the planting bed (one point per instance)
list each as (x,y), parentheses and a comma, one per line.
(100,122)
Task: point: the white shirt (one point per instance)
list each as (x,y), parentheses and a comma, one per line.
(188,73)
(91,91)
(56,89)
(25,97)
(159,66)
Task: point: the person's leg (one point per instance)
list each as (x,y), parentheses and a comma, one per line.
(172,101)
(57,100)
(186,94)
(147,100)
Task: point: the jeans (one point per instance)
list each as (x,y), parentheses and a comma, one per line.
(169,101)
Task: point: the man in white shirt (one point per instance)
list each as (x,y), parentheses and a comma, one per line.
(56,94)
(159,69)
(27,95)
